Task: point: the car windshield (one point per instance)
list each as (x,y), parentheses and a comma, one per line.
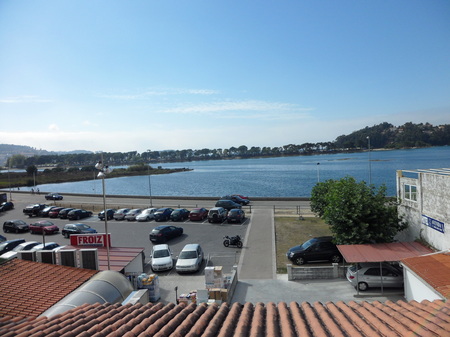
(161,253)
(308,243)
(190,254)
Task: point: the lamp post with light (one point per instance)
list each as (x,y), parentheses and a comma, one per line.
(149,187)
(318,174)
(370,165)
(102,174)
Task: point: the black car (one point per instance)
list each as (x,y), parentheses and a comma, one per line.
(15,226)
(109,214)
(77,214)
(6,206)
(227,204)
(316,249)
(235,215)
(78,228)
(163,214)
(165,232)
(237,199)
(53,196)
(64,213)
(9,245)
(33,209)
(179,214)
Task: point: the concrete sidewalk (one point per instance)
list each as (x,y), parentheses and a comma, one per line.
(258,258)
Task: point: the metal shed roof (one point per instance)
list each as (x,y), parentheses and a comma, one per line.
(382,252)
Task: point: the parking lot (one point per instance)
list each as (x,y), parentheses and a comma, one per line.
(258,280)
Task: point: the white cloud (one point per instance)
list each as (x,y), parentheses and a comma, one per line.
(53,127)
(24,99)
(145,94)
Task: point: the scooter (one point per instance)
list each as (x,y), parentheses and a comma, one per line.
(232,241)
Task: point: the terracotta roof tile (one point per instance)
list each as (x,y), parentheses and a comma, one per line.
(41,284)
(305,319)
(434,270)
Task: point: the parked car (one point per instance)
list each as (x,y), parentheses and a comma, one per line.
(78,228)
(46,246)
(242,197)
(64,213)
(190,258)
(109,214)
(217,214)
(43,226)
(23,246)
(161,258)
(120,214)
(235,215)
(372,275)
(77,214)
(15,226)
(53,196)
(198,214)
(237,199)
(46,211)
(33,209)
(9,245)
(227,204)
(54,212)
(147,214)
(163,214)
(163,233)
(316,249)
(6,206)
(179,214)
(131,215)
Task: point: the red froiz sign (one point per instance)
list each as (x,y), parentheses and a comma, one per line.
(89,240)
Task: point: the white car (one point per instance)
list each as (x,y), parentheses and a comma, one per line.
(190,258)
(12,254)
(147,214)
(161,258)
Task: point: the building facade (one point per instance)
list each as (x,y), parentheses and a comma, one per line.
(424,197)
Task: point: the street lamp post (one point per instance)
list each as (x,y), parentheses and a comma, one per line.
(149,186)
(370,165)
(318,174)
(102,174)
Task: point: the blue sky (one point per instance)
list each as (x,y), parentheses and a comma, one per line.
(156,75)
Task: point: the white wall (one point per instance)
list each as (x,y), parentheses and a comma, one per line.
(416,289)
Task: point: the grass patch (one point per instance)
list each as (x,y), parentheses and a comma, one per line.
(290,231)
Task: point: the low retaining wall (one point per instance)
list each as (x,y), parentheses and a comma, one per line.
(316,272)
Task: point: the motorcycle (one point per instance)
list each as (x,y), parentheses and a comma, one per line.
(232,241)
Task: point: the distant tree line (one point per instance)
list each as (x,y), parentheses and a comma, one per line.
(384,135)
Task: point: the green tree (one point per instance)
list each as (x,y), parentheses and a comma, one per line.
(31,170)
(357,213)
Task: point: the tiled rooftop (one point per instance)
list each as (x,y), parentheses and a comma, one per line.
(433,269)
(330,319)
(29,288)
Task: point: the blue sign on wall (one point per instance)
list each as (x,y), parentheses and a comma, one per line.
(433,223)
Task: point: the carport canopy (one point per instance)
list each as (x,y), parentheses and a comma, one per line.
(382,252)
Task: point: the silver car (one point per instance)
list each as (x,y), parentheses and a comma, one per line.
(190,259)
(372,275)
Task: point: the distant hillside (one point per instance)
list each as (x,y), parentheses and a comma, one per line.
(8,150)
(384,135)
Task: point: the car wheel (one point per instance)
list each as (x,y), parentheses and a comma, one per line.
(299,261)
(5,230)
(66,235)
(336,259)
(363,286)
(17,231)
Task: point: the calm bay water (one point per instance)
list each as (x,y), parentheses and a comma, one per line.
(266,177)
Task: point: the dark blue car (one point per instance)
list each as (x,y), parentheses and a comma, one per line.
(163,214)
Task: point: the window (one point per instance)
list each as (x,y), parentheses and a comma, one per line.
(410,192)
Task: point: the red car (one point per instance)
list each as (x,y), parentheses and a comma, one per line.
(55,212)
(198,214)
(43,226)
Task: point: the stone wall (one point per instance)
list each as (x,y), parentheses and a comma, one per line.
(315,272)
